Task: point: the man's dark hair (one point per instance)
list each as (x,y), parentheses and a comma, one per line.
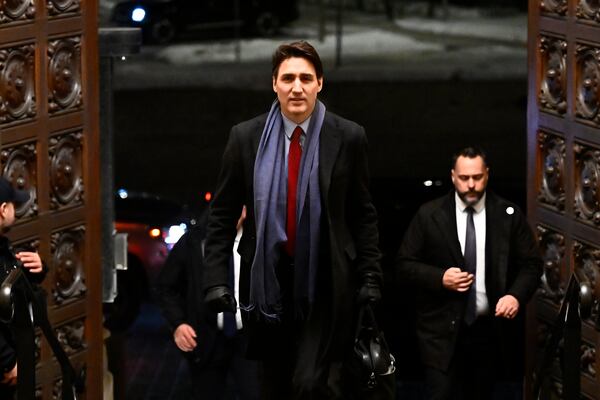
(470,152)
(301,49)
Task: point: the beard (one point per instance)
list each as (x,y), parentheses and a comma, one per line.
(471,197)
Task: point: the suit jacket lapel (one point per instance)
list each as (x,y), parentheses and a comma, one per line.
(329,146)
(445,218)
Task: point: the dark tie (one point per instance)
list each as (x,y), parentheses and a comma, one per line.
(294,156)
(229,324)
(471,267)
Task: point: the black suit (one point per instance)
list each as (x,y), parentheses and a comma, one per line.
(512,266)
(349,235)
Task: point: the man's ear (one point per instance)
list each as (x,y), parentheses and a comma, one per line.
(3,209)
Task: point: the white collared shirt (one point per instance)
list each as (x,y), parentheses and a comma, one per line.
(480,232)
(236,290)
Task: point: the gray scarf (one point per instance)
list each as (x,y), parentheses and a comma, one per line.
(270,197)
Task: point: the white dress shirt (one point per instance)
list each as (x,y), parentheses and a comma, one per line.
(236,289)
(480,231)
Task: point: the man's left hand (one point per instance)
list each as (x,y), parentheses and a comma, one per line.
(507,307)
(370,291)
(31,261)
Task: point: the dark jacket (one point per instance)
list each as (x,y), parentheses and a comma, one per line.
(431,245)
(8,356)
(179,294)
(349,226)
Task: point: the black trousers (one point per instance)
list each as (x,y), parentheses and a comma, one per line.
(473,370)
(209,381)
(289,369)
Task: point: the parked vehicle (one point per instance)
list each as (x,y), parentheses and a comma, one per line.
(162,20)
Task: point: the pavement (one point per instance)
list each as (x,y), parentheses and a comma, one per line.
(463,43)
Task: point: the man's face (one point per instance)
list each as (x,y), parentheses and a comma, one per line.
(297,86)
(470,176)
(7,216)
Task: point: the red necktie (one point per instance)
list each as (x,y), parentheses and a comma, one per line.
(294,156)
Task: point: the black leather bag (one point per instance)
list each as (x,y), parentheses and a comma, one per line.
(373,364)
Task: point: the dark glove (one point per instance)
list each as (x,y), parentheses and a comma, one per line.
(370,291)
(219,299)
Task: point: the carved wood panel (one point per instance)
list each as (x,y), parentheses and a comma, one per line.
(553,52)
(19,165)
(588,10)
(588,84)
(554,7)
(67,262)
(62,8)
(551,156)
(66,172)
(563,193)
(16,10)
(552,246)
(587,184)
(64,74)
(49,144)
(17,83)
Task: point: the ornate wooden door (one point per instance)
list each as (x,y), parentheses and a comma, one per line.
(564,166)
(48,146)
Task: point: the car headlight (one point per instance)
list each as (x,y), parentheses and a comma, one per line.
(174,233)
(138,14)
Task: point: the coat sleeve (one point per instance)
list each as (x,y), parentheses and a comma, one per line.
(528,261)
(224,212)
(171,287)
(413,269)
(363,215)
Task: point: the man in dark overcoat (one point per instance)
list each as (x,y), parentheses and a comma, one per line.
(310,244)
(214,349)
(474,264)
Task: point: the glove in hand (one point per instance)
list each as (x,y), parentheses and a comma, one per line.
(370,291)
(220,299)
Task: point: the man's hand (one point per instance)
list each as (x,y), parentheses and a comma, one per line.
(370,291)
(185,337)
(31,261)
(507,307)
(220,299)
(456,279)
(10,377)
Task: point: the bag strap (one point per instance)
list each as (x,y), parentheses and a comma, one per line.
(40,315)
(25,295)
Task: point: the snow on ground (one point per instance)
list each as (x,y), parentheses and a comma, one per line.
(366,43)
(512,29)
